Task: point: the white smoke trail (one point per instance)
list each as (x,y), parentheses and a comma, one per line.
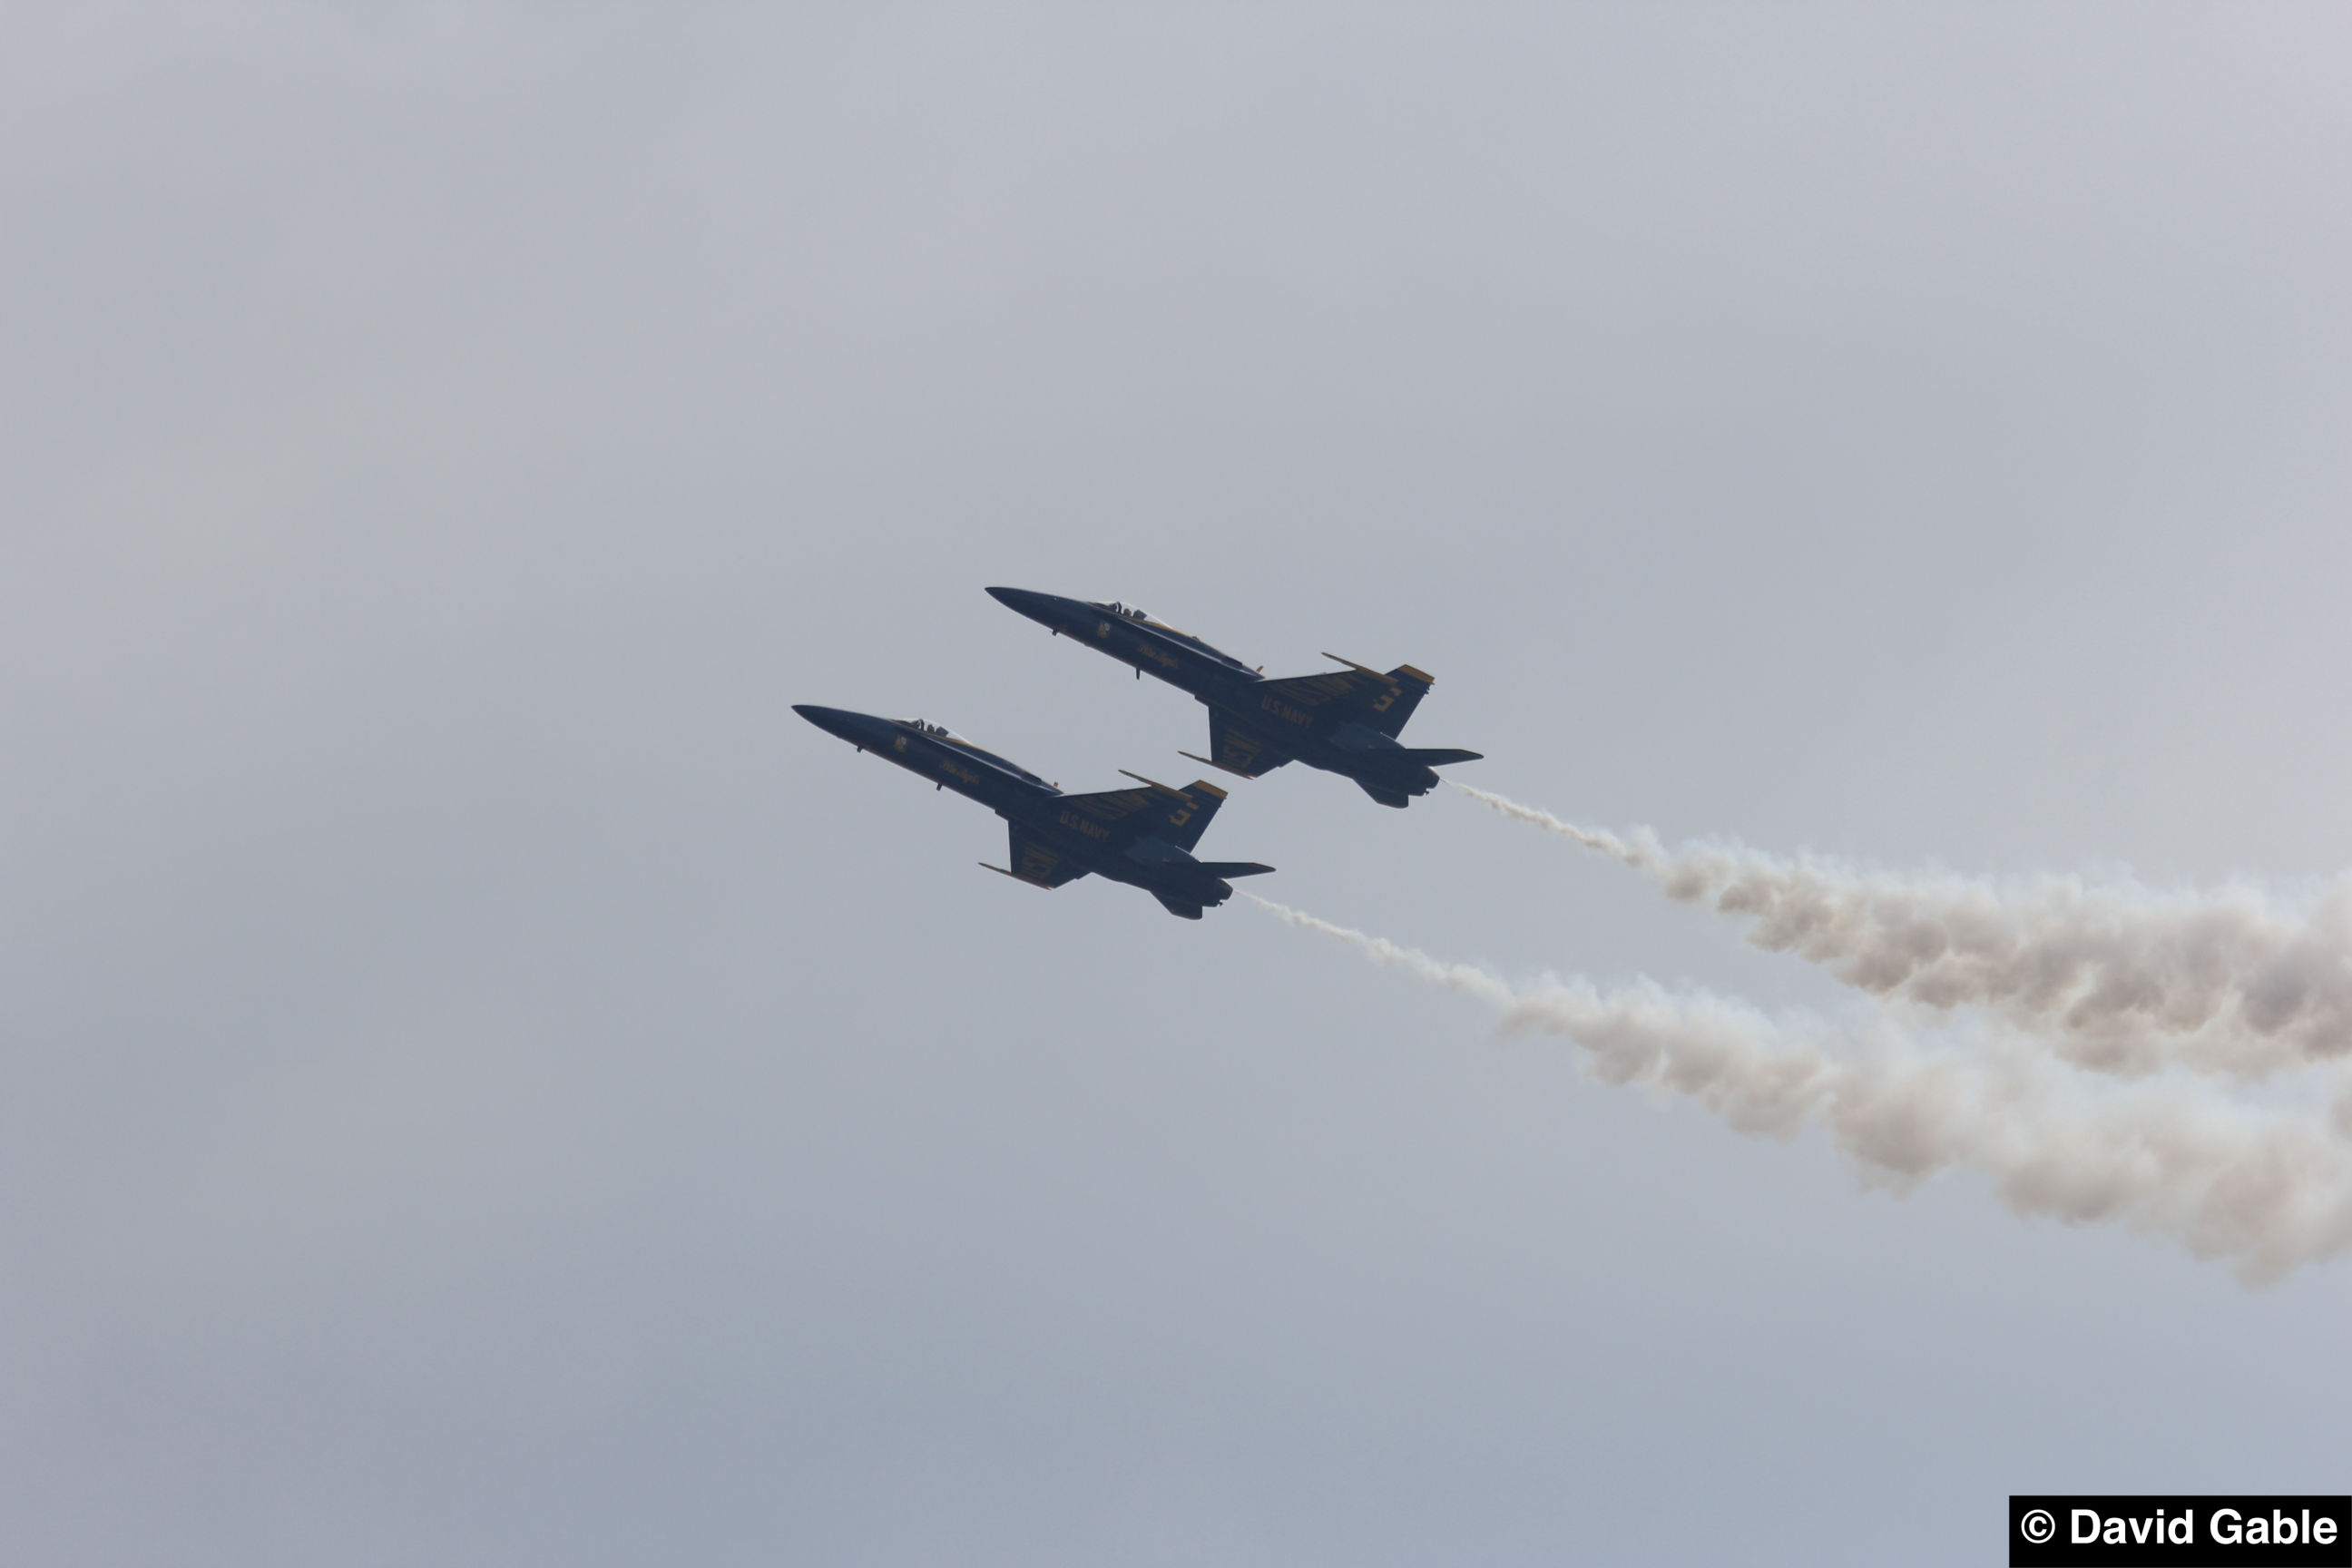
(2120,978)
(2267,1192)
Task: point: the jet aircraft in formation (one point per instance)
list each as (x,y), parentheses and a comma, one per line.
(1345,722)
(1143,837)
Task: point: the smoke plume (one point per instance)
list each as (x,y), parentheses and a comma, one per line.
(2266,1191)
(2119,978)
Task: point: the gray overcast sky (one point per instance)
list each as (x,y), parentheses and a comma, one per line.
(484,1083)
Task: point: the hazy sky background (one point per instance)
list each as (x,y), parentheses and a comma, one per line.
(484,1083)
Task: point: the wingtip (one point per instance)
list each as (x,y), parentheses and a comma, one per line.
(1211,762)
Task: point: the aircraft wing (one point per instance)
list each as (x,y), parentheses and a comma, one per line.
(1040,863)
(1237,750)
(1382,702)
(1159,810)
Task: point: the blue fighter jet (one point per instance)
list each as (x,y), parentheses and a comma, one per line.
(1344,722)
(1143,837)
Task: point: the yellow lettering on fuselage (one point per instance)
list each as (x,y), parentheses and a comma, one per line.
(1087,826)
(1281,709)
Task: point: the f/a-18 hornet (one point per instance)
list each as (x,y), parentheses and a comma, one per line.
(1345,722)
(1143,837)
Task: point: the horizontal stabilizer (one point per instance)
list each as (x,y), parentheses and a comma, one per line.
(1432,756)
(1232,869)
(1183,908)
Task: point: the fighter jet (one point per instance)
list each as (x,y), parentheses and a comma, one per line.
(1143,837)
(1345,722)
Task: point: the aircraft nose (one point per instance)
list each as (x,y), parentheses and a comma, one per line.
(1036,606)
(852,727)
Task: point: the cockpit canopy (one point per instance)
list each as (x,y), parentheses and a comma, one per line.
(1132,613)
(940,731)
